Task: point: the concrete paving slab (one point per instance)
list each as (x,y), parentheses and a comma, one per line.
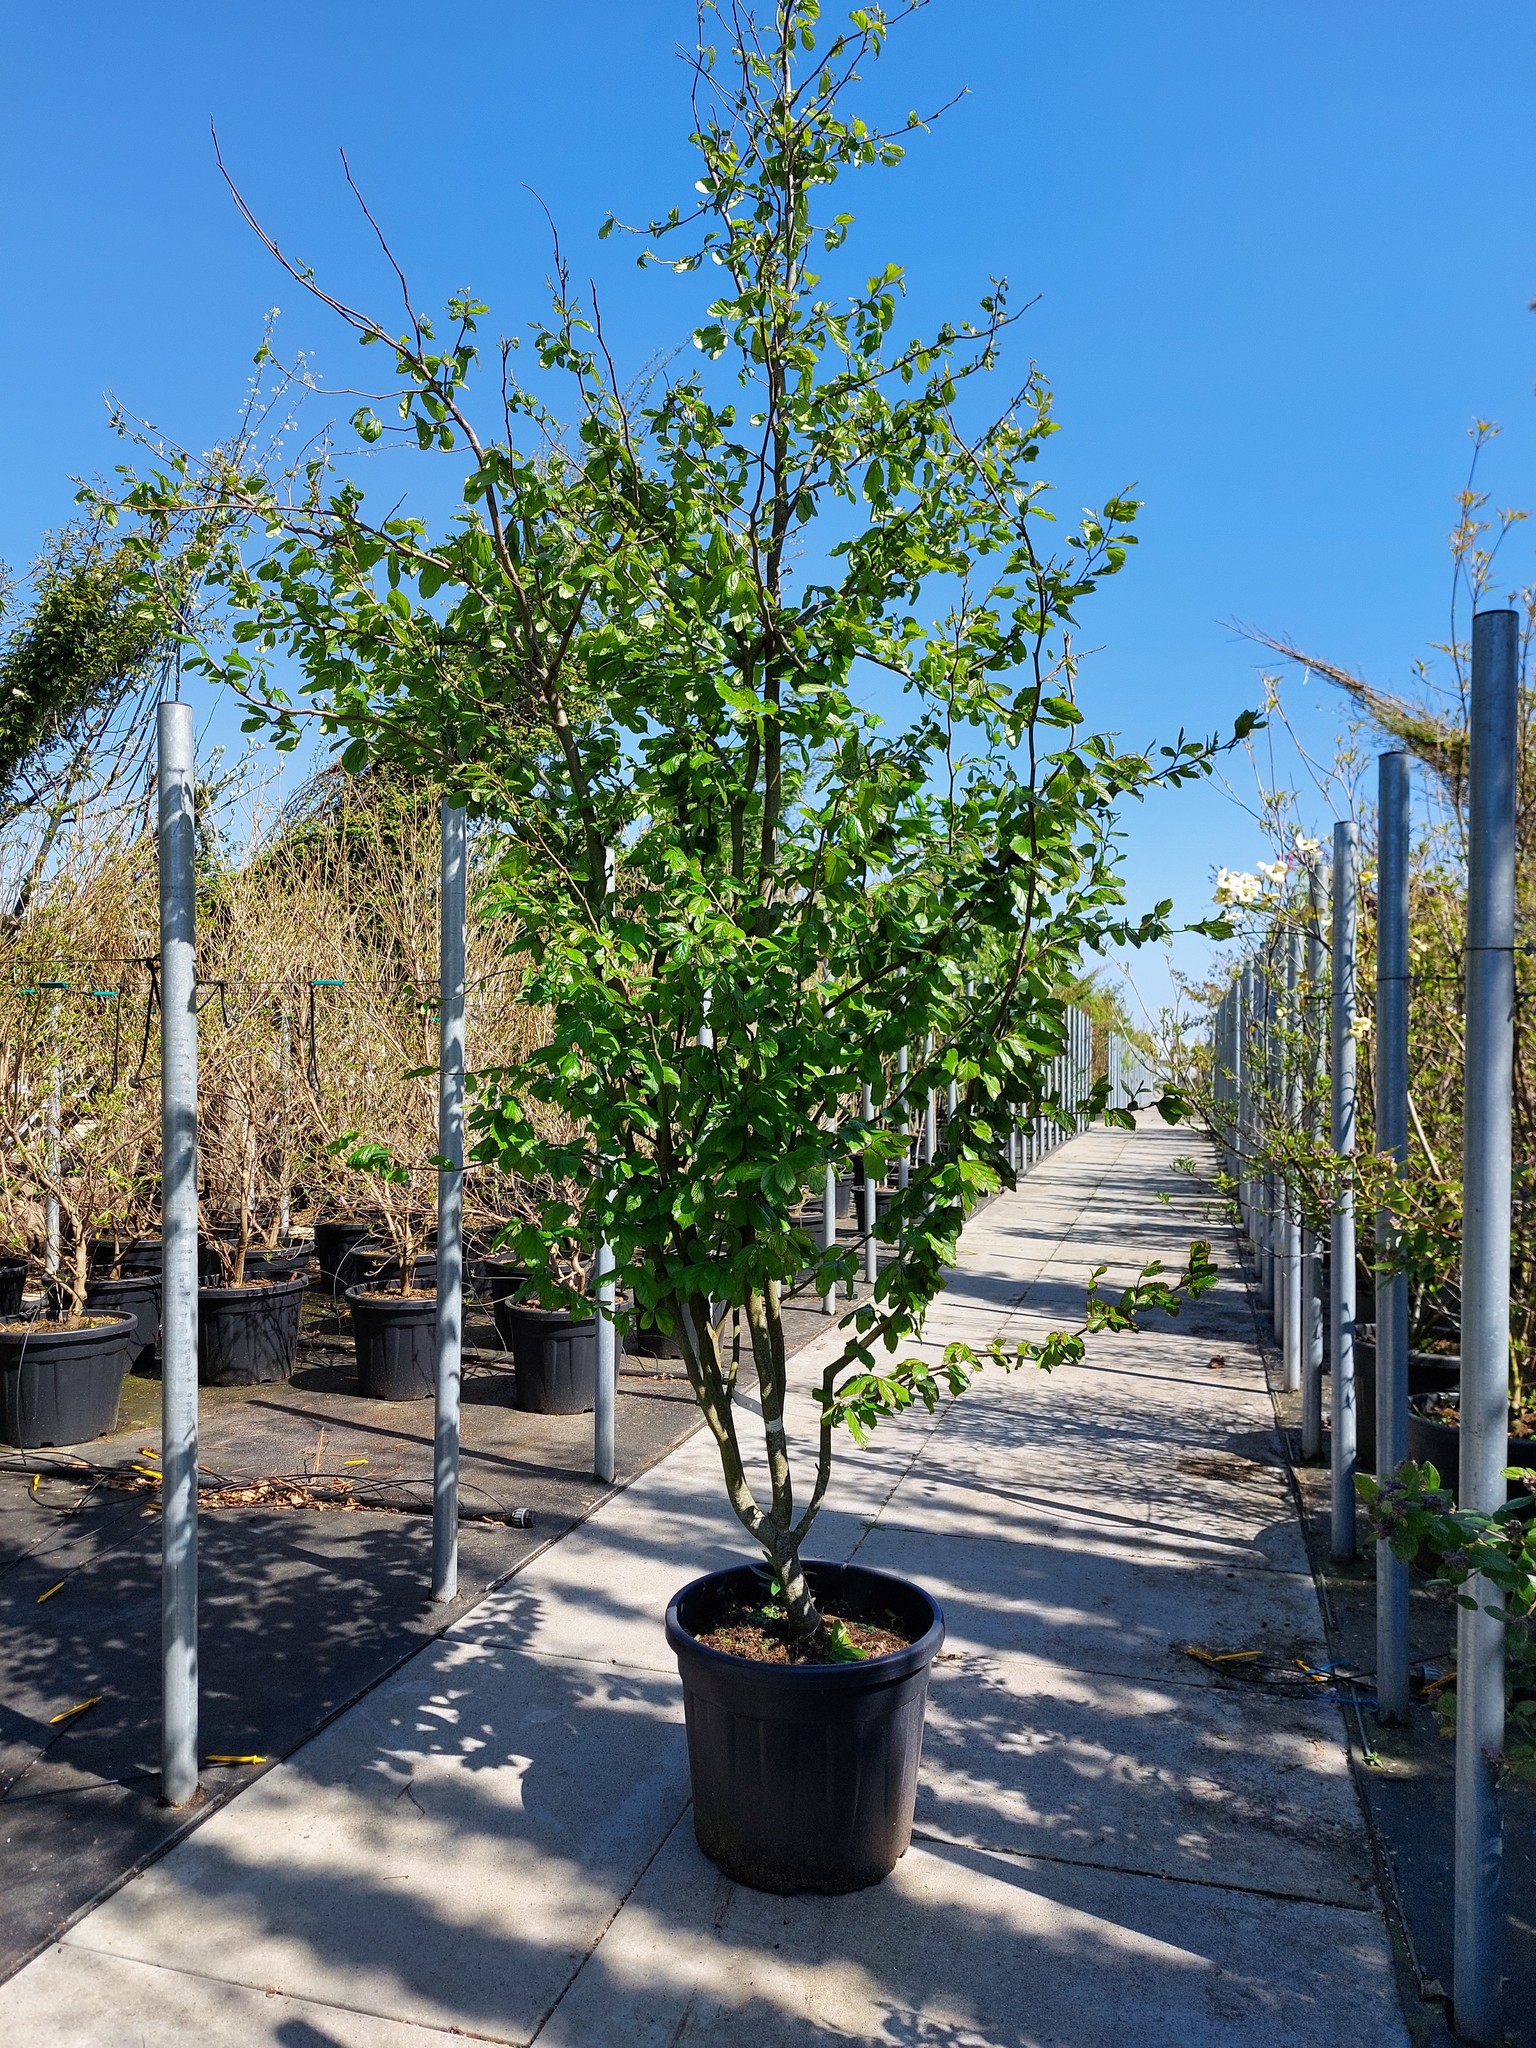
(1174,1779)
(1210,1521)
(70,1998)
(960,1948)
(444,1855)
(1111,1610)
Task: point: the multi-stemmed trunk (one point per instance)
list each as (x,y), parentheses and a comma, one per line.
(774,1524)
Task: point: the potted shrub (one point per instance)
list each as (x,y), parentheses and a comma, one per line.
(382,1166)
(248,1321)
(394,1320)
(731,895)
(548,1321)
(73,1143)
(540,1282)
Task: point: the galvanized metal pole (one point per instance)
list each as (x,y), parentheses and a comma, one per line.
(452,920)
(1278,1015)
(1391,1139)
(605,1396)
(1342,1137)
(178,1256)
(1263,1110)
(1311,1247)
(930,1112)
(1244,1094)
(904,1164)
(1233,1067)
(1486,1176)
(829,1232)
(1078,1088)
(871,1248)
(1291,1330)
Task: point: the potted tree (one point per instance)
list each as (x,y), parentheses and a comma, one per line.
(731,893)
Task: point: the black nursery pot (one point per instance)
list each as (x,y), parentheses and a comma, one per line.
(1429,1372)
(136,1295)
(275,1264)
(147,1255)
(60,1386)
(805,1775)
(646,1341)
(387,1274)
(501,1278)
(335,1243)
(248,1335)
(1439,1444)
(554,1355)
(13,1281)
(395,1336)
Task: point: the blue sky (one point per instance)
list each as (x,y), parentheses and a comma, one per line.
(1283,256)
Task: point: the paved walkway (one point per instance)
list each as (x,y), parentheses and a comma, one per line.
(1112,1843)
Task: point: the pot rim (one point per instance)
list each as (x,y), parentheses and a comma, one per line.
(391,1297)
(867,1671)
(57,1332)
(1436,1422)
(548,1315)
(259,1290)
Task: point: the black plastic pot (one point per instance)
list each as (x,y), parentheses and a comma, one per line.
(805,1775)
(1429,1372)
(276,1262)
(13,1282)
(501,1278)
(105,1251)
(248,1335)
(554,1355)
(644,1340)
(146,1255)
(395,1336)
(136,1295)
(1439,1444)
(387,1272)
(61,1386)
(334,1242)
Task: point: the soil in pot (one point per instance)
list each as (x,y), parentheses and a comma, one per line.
(136,1295)
(60,1385)
(395,1336)
(554,1355)
(1434,1436)
(248,1335)
(13,1281)
(843,1638)
(804,1772)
